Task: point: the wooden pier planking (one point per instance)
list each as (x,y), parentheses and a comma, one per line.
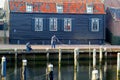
(64,48)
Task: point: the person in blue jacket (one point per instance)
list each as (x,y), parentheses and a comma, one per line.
(28,47)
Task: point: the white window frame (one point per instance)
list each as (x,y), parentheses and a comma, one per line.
(38,24)
(67,22)
(29,8)
(59,8)
(95,28)
(53,24)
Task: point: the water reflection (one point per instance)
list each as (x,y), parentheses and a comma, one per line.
(89,69)
(59,71)
(36,71)
(105,70)
(101,73)
(76,70)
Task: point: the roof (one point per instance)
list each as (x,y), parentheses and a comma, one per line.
(49,6)
(112,3)
(115,12)
(114,8)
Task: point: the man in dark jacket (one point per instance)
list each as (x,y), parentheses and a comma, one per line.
(28,47)
(54,39)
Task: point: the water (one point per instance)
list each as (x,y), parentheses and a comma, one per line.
(64,71)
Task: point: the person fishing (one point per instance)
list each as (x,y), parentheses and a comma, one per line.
(54,39)
(28,47)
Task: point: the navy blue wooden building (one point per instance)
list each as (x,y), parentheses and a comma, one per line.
(73,23)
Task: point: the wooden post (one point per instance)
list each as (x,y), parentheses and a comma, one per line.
(59,64)
(89,51)
(24,66)
(118,66)
(100,54)
(105,50)
(76,56)
(47,51)
(94,58)
(3,68)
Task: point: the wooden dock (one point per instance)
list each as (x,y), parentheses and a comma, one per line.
(64,48)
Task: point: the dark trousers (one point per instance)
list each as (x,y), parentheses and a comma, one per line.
(28,49)
(53,45)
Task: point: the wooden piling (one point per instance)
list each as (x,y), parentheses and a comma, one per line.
(118,66)
(89,51)
(100,52)
(94,58)
(105,51)
(76,56)
(47,55)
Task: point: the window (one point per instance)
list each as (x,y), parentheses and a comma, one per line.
(53,24)
(67,24)
(29,8)
(59,8)
(95,25)
(38,24)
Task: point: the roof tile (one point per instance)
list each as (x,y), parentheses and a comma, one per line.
(49,6)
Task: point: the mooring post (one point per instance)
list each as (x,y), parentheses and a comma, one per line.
(94,58)
(76,56)
(49,72)
(60,55)
(15,53)
(118,66)
(95,75)
(24,67)
(89,51)
(3,68)
(59,64)
(105,50)
(100,54)
(47,51)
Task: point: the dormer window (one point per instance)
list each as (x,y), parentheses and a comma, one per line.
(90,8)
(59,8)
(29,8)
